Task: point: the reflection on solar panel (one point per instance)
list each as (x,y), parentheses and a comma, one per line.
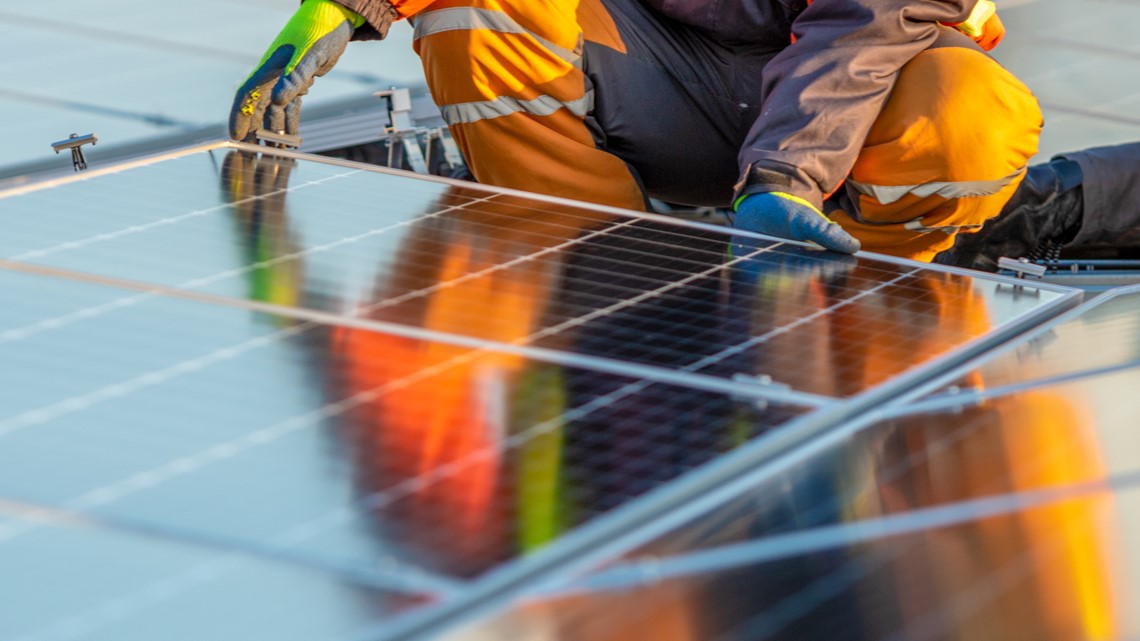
(426,395)
(1101,336)
(1044,571)
(995,511)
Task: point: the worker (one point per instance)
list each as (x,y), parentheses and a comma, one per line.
(888,115)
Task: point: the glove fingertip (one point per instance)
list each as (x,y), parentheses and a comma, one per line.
(238,127)
(845,243)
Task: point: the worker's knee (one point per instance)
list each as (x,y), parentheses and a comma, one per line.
(952,103)
(946,152)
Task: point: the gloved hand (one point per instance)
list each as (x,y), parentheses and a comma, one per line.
(308,47)
(983,25)
(786,216)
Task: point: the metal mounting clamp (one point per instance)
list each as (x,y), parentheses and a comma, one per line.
(75,143)
(278,138)
(762,381)
(1021,267)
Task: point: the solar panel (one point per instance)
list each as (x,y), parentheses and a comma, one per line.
(503,267)
(1100,336)
(1003,510)
(415,387)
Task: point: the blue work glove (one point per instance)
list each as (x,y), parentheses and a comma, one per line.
(307,48)
(786,216)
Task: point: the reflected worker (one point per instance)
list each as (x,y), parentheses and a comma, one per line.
(880,123)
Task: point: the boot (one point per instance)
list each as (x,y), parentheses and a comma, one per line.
(1081,200)
(1045,211)
(1111,197)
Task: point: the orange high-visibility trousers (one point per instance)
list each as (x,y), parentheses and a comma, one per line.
(946,153)
(508,79)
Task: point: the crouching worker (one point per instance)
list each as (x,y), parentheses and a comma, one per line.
(847,123)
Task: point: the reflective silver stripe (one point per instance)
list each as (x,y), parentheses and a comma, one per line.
(470,18)
(965,189)
(468,112)
(917,225)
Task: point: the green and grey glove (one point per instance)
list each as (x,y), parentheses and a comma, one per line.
(307,48)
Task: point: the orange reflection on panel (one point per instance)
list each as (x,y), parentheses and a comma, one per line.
(878,338)
(433,435)
(1040,573)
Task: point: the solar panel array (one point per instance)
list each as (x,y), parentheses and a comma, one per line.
(251,393)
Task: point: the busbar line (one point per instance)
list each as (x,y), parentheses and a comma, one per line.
(124,606)
(936,624)
(306,531)
(940,399)
(206,280)
(780,546)
(669,221)
(797,604)
(116,609)
(340,321)
(119,606)
(783,329)
(226,452)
